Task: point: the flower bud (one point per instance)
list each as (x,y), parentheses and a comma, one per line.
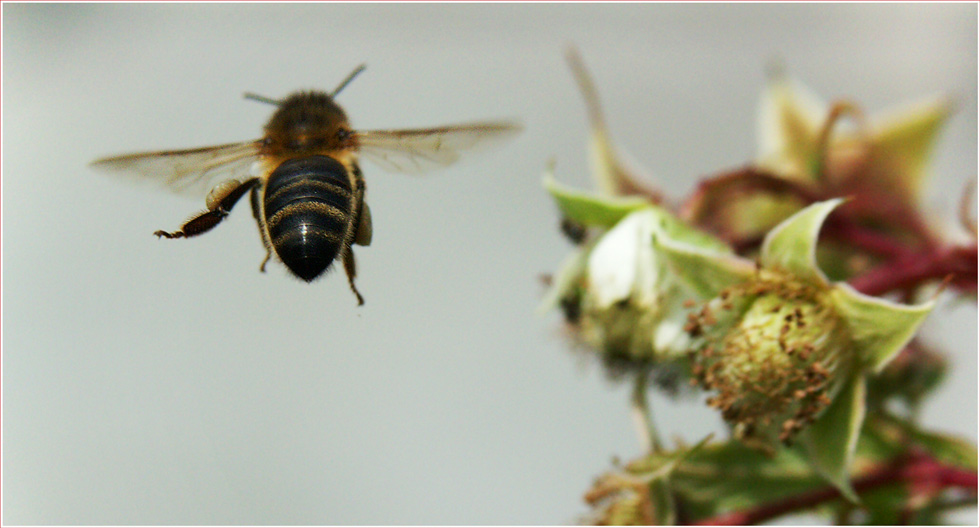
(630,303)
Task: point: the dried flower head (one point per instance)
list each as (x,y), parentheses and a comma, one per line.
(620,500)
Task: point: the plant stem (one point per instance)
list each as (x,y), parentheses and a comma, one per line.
(837,111)
(642,415)
(915,469)
(910,271)
(848,231)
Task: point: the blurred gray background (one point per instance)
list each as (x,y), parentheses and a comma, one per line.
(169,382)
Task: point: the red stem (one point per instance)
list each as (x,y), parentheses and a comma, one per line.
(914,470)
(867,239)
(959,262)
(867,204)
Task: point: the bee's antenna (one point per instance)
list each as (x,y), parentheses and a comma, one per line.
(262,99)
(349,78)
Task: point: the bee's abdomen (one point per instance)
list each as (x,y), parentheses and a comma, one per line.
(308,208)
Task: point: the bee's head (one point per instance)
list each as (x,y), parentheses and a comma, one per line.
(308,122)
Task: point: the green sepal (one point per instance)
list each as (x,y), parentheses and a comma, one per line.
(791,246)
(674,229)
(831,440)
(591,209)
(602,157)
(569,273)
(878,327)
(704,270)
(903,143)
(789,120)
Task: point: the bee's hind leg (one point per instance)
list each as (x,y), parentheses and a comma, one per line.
(351,272)
(222,198)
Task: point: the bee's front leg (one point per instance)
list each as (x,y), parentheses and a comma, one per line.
(200,224)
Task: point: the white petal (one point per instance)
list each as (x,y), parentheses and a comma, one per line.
(623,264)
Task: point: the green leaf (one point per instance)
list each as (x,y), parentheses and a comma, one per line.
(664,511)
(591,209)
(831,440)
(878,327)
(791,246)
(949,449)
(730,476)
(705,270)
(878,442)
(657,470)
(884,505)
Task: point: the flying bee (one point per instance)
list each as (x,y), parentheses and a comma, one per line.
(306,187)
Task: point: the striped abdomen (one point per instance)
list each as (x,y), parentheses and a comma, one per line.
(308,207)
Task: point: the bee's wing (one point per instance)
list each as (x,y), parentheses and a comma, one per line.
(191,171)
(415,151)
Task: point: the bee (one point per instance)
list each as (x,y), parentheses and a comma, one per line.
(303,178)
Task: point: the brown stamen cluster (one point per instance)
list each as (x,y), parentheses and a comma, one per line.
(770,350)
